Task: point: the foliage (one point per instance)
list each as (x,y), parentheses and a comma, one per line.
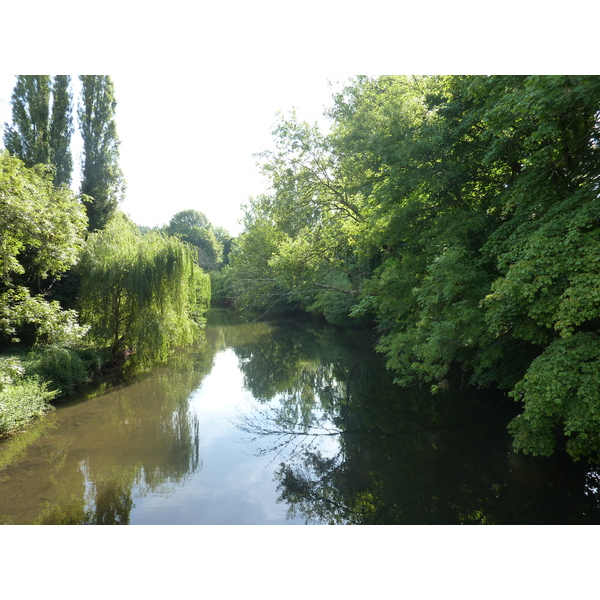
(40,133)
(150,292)
(312,215)
(187,220)
(253,283)
(61,130)
(61,367)
(29,137)
(101,177)
(53,325)
(194,227)
(21,398)
(460,213)
(42,232)
(561,390)
(221,286)
(222,236)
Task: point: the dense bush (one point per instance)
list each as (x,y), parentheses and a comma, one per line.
(21,397)
(62,368)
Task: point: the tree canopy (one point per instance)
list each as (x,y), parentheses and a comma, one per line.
(42,234)
(29,135)
(153,295)
(42,124)
(194,227)
(61,130)
(460,215)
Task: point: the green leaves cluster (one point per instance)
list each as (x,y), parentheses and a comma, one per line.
(41,237)
(141,293)
(22,396)
(194,228)
(461,215)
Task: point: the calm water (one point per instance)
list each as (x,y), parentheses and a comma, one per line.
(283,423)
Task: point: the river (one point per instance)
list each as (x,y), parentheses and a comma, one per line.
(283,422)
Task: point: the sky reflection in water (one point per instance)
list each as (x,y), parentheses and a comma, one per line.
(233,485)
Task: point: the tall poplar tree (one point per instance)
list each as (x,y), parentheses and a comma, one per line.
(28,137)
(39,135)
(102,178)
(61,129)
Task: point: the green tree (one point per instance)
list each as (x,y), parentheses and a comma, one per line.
(187,220)
(194,227)
(61,130)
(317,209)
(102,179)
(141,292)
(253,283)
(28,137)
(546,290)
(461,214)
(41,235)
(40,135)
(224,238)
(484,226)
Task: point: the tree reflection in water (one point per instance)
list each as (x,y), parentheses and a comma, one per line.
(356,448)
(347,444)
(137,438)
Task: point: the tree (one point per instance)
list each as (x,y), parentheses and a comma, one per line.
(41,235)
(29,136)
(254,285)
(545,292)
(485,227)
(141,293)
(461,213)
(316,207)
(102,179)
(222,236)
(61,130)
(194,227)
(186,220)
(38,135)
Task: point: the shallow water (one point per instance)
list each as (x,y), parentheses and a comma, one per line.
(283,423)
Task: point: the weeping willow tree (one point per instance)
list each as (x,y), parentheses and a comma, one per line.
(141,293)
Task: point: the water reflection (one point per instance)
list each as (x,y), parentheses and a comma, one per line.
(354,448)
(336,442)
(90,458)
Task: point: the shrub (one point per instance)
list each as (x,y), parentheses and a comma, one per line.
(62,368)
(21,398)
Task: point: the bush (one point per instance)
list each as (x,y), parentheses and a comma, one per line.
(21,398)
(63,368)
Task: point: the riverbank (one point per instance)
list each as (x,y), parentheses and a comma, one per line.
(31,379)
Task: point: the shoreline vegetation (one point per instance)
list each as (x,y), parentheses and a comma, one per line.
(82,288)
(455,216)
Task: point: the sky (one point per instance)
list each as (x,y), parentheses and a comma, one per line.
(198,85)
(195,149)
(189,142)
